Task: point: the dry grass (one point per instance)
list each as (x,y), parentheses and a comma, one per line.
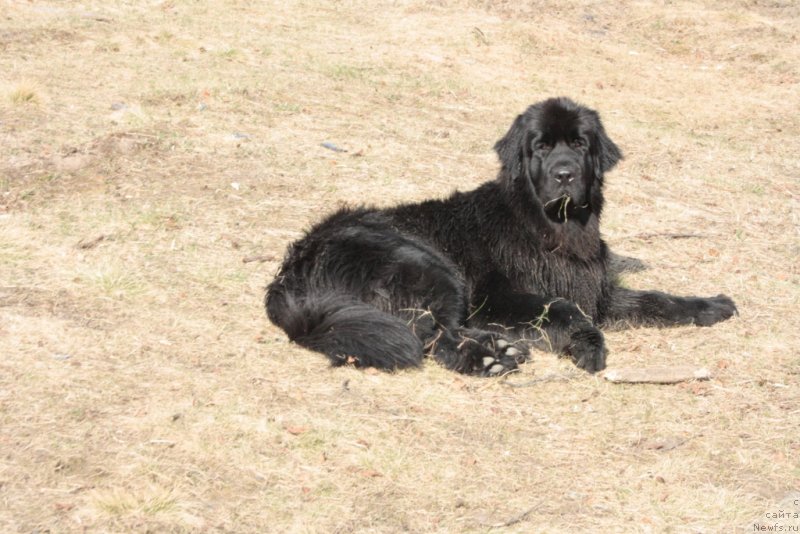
(24,94)
(141,387)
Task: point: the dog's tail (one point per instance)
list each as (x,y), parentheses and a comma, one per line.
(343,328)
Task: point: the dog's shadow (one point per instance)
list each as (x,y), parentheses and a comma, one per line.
(618,264)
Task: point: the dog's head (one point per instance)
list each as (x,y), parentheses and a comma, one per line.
(557,152)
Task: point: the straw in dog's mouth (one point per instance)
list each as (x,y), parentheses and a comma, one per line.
(562,207)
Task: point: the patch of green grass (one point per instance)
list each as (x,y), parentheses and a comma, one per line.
(229,54)
(24,95)
(159,504)
(107,46)
(287,107)
(67,222)
(388,462)
(429,85)
(325,489)
(164,36)
(78,413)
(218,277)
(11,254)
(119,503)
(116,282)
(155,219)
(311,441)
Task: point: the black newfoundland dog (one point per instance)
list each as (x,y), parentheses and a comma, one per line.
(475,279)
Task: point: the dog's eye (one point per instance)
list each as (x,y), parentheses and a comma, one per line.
(541,145)
(578,143)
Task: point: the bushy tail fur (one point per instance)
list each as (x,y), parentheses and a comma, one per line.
(346,330)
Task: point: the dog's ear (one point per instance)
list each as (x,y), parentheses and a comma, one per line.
(608,154)
(511,149)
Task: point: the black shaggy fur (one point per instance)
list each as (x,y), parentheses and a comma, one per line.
(474,279)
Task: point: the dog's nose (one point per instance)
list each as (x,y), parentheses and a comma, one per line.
(563,175)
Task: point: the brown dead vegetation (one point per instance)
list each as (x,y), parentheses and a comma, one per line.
(149,150)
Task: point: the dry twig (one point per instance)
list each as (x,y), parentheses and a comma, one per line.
(552,377)
(515,519)
(259,258)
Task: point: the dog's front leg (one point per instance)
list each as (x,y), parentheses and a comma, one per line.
(549,323)
(653,308)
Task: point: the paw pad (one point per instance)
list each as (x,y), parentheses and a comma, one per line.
(504,360)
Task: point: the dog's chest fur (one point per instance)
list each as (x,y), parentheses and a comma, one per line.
(557,275)
(480,232)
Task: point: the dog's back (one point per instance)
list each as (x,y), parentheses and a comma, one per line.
(361,292)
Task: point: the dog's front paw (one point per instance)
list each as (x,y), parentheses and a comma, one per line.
(588,349)
(715,309)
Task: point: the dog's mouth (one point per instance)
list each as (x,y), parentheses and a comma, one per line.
(563,208)
(558,209)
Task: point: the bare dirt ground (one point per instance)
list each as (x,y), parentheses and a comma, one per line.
(157,157)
